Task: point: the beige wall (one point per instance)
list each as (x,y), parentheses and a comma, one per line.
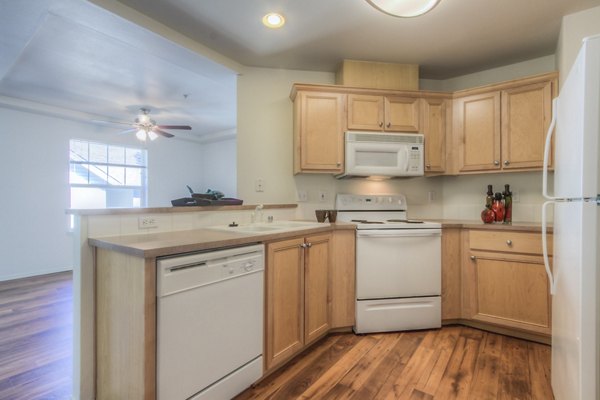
(574,28)
(265,132)
(513,71)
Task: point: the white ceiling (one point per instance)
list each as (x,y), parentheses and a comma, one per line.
(455,38)
(74,55)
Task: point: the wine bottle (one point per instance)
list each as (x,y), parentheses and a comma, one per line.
(507,204)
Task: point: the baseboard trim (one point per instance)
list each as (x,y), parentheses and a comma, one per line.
(33,273)
(533,337)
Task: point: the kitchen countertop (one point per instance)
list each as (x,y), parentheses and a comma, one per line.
(160,210)
(475,224)
(169,243)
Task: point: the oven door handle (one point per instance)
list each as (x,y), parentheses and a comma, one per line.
(398,232)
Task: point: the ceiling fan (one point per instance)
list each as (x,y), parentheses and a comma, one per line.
(146,128)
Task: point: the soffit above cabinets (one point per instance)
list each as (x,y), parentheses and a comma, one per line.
(74,55)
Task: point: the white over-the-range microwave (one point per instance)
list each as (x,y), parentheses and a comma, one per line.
(383,155)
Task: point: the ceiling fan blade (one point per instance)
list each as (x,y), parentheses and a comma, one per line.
(97,121)
(126,131)
(161,132)
(186,127)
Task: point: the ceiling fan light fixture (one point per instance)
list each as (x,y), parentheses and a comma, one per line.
(152,135)
(404,8)
(141,135)
(273,20)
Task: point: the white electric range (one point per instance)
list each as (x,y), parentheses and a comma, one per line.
(398,264)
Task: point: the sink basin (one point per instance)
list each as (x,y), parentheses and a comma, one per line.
(267,227)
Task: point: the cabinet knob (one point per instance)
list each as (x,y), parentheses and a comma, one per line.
(496,162)
(303,245)
(506,162)
(509,242)
(308,244)
(389,124)
(473,258)
(428,166)
(339,164)
(381,124)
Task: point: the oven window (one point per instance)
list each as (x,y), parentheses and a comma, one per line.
(376,159)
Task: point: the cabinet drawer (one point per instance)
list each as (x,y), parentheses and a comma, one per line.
(508,241)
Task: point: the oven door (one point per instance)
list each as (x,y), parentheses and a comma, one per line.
(392,263)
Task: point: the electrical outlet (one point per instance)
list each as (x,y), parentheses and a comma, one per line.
(147,222)
(515,196)
(323,196)
(302,195)
(259,185)
(431,196)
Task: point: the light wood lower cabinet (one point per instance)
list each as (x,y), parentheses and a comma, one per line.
(297,303)
(504,281)
(342,279)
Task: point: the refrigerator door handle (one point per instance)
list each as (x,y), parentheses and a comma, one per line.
(547,147)
(551,281)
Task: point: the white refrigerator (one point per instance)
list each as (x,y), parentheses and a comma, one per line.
(574,277)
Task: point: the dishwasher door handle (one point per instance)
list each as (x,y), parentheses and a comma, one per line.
(185,267)
(391,233)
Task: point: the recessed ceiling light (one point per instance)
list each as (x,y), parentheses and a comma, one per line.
(404,8)
(273,20)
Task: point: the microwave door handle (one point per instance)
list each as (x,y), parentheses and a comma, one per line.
(406,155)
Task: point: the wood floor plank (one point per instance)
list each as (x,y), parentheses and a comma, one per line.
(514,371)
(363,370)
(485,381)
(539,371)
(392,365)
(36,338)
(334,374)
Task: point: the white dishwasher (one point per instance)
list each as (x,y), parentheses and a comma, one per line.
(209,323)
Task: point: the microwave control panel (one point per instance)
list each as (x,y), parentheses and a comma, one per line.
(415,158)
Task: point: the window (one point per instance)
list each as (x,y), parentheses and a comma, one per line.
(107,176)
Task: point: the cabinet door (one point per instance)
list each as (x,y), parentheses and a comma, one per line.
(401,114)
(478,128)
(511,292)
(319,132)
(526,115)
(433,112)
(342,279)
(316,301)
(365,112)
(284,300)
(451,261)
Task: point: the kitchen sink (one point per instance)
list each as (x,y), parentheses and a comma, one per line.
(268,227)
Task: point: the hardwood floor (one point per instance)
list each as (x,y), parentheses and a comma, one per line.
(454,362)
(450,363)
(36,338)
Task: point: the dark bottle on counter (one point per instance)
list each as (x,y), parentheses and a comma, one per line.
(498,207)
(507,204)
(489,199)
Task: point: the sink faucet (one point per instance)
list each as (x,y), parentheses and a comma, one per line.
(257,214)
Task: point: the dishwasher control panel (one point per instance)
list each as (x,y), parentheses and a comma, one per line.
(185,272)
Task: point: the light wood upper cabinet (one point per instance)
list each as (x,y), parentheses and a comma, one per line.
(434,126)
(505,282)
(319,125)
(477,124)
(526,115)
(504,129)
(297,302)
(383,113)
